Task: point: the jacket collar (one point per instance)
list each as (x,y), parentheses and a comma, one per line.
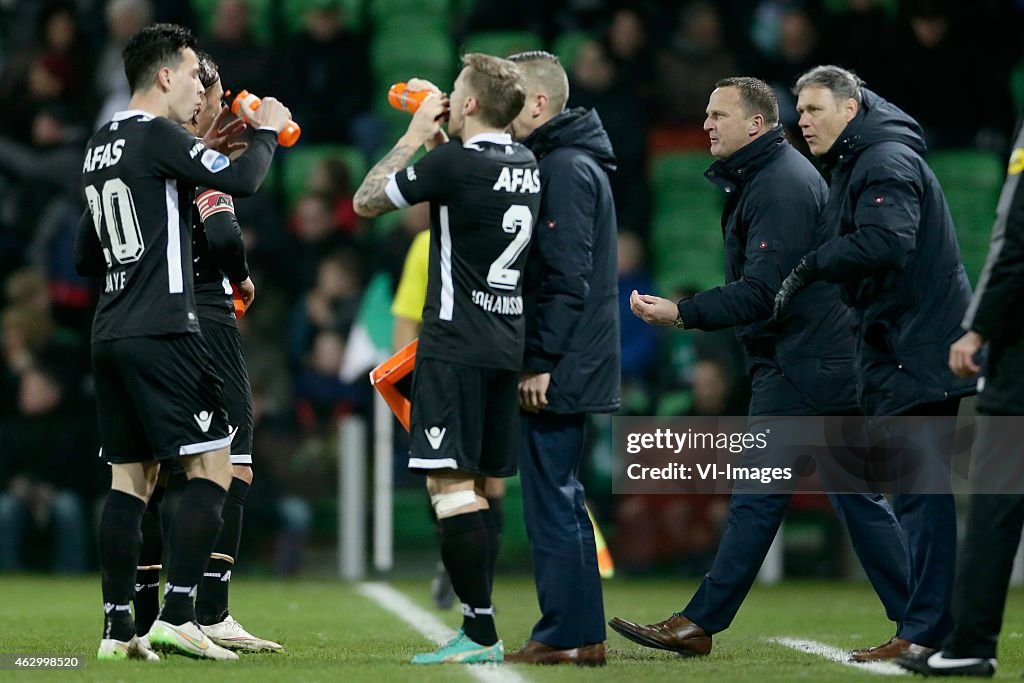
(737,168)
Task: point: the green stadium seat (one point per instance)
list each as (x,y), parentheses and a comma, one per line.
(501,43)
(385,10)
(567,46)
(686,233)
(1017,86)
(971,180)
(295,12)
(299,163)
(411,49)
(259,13)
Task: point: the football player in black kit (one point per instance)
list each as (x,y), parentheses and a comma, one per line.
(159,397)
(219,263)
(484,192)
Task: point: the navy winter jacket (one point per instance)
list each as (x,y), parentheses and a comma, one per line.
(774,199)
(894,252)
(571,287)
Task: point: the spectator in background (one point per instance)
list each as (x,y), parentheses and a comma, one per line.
(392,249)
(627,44)
(689,67)
(42,467)
(596,85)
(331,179)
(312,224)
(330,306)
(330,80)
(243,63)
(844,35)
(796,52)
(938,43)
(42,201)
(56,69)
(639,341)
(321,398)
(124,19)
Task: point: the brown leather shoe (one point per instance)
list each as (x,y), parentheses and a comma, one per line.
(675,634)
(535,652)
(891,649)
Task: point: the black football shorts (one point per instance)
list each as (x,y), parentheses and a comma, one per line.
(225,346)
(464,418)
(158,398)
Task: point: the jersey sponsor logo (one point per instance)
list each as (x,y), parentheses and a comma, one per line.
(519,180)
(203,419)
(103,156)
(410,173)
(502,305)
(196,149)
(435,435)
(215,161)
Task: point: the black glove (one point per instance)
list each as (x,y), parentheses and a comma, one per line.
(794,282)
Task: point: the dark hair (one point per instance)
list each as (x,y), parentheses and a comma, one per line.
(843,83)
(208,71)
(152,48)
(756,97)
(498,86)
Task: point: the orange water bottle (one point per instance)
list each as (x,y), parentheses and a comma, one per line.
(239,303)
(245,103)
(403,99)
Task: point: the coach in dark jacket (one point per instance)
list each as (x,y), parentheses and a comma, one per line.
(995,513)
(774,198)
(894,253)
(571,364)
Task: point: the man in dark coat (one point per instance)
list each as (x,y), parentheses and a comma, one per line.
(571,364)
(894,252)
(802,367)
(995,513)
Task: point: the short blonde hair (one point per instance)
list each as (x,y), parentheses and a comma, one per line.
(498,86)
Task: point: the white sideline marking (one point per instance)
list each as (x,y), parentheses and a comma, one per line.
(431,627)
(834,654)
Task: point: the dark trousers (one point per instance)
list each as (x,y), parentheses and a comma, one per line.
(929,522)
(753,522)
(561,535)
(994,525)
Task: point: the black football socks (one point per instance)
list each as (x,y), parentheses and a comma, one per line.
(465,551)
(494,520)
(147,575)
(212,601)
(194,530)
(120,544)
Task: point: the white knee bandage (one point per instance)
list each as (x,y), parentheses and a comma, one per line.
(445,503)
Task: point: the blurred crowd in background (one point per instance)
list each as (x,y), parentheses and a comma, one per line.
(646,66)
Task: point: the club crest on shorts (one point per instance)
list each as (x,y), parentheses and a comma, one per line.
(435,435)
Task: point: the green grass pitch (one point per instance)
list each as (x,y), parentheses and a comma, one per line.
(334,634)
